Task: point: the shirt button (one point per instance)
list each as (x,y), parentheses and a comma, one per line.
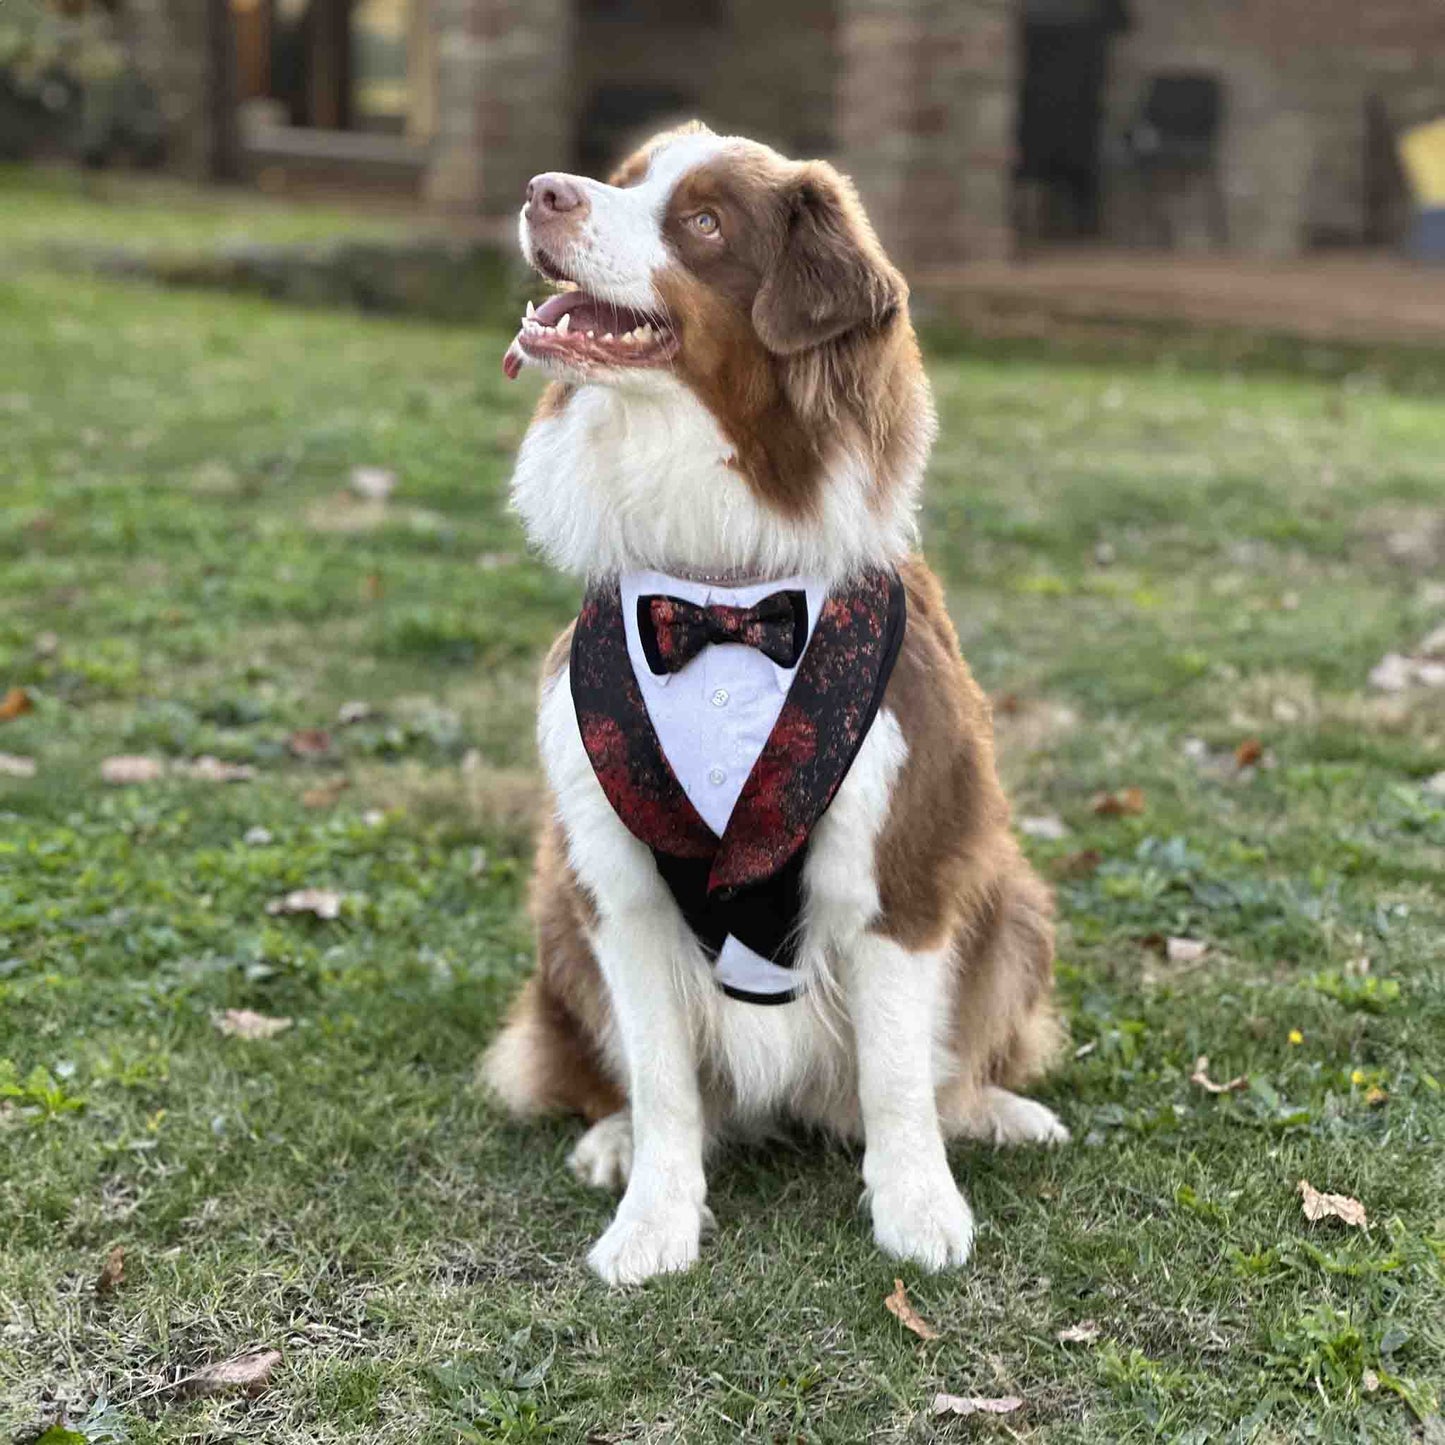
(720,697)
(717,777)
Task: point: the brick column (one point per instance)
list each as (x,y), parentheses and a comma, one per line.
(926,102)
(503,106)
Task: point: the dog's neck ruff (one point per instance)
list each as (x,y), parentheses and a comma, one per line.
(741,890)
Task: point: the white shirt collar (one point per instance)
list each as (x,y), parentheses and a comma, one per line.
(642,583)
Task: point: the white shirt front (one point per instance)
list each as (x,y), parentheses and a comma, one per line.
(713,716)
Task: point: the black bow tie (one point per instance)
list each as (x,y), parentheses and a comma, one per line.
(673,632)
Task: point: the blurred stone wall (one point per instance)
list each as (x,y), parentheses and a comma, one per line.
(1298,79)
(926,104)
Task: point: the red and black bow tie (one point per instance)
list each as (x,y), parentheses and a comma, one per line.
(673,632)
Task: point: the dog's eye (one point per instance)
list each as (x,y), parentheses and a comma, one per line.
(705,223)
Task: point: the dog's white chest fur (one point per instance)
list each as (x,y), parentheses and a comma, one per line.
(644,477)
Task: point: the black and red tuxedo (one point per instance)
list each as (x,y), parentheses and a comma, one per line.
(744,887)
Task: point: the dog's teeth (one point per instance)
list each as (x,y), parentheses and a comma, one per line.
(565,324)
(643,332)
(609,337)
(531,310)
(591,335)
(630,337)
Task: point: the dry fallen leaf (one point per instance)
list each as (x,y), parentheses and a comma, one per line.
(309,743)
(1375,1096)
(353,712)
(1248,753)
(249,1374)
(208,769)
(1125,803)
(1084,1333)
(1395,672)
(15,703)
(1201,1077)
(1045,826)
(1083,864)
(13,767)
(375,484)
(112,1272)
(122,771)
(1184,950)
(323,902)
(976,1405)
(243,1023)
(1319,1206)
(897,1305)
(1369,1382)
(325,795)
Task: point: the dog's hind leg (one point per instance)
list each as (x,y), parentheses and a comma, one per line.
(603,1156)
(1004,1030)
(997,1116)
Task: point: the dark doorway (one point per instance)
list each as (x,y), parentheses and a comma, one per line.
(1064,63)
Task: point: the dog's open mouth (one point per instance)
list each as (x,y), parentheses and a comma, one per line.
(578,330)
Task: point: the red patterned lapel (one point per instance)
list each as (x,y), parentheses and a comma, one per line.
(835,694)
(619,738)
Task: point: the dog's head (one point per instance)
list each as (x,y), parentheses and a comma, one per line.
(698,243)
(710,269)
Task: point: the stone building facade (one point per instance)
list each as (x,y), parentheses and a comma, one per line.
(918,99)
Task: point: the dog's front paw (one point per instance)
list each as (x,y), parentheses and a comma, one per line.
(924,1218)
(640,1243)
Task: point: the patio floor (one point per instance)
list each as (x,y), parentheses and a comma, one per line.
(1363,296)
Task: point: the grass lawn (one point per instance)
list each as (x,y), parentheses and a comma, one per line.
(1151,565)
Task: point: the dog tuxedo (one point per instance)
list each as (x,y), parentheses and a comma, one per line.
(720,722)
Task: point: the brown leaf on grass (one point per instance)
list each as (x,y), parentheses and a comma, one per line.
(309,743)
(1248,753)
(244,1023)
(323,902)
(13,767)
(897,1305)
(1083,864)
(1184,950)
(15,703)
(1083,1333)
(244,1374)
(1319,1206)
(1047,827)
(1201,1077)
(353,712)
(374,484)
(208,769)
(1127,802)
(976,1404)
(325,795)
(112,1272)
(1375,1096)
(123,771)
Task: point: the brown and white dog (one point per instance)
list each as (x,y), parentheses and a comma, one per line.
(737,392)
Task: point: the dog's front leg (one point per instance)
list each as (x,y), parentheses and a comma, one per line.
(896,1000)
(659,1222)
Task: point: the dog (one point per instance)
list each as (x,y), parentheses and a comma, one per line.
(730,446)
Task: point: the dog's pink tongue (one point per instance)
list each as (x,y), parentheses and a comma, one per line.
(512,362)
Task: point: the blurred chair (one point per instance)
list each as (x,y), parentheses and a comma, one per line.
(1422,153)
(1173,143)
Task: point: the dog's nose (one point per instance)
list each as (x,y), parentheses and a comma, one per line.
(555,195)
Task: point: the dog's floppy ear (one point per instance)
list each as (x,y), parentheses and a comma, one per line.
(830,275)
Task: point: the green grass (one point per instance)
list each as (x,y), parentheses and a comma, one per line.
(1138,554)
